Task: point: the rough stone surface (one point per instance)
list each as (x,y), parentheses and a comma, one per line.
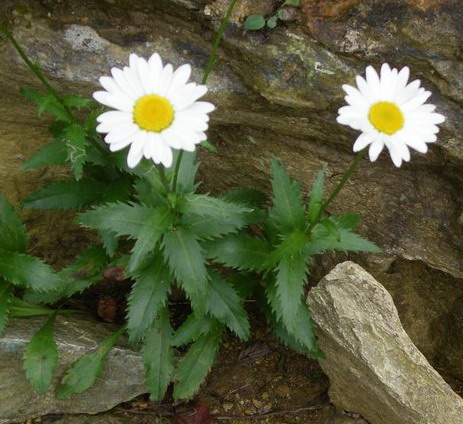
(122,379)
(106,418)
(373,366)
(277,93)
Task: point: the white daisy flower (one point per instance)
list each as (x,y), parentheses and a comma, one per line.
(390,112)
(156,110)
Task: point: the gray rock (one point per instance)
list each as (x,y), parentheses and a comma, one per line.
(122,379)
(374,368)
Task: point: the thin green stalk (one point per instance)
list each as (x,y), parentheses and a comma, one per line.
(208,69)
(162,175)
(352,168)
(218,39)
(36,70)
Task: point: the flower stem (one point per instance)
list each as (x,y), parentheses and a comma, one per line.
(162,176)
(208,69)
(352,168)
(218,39)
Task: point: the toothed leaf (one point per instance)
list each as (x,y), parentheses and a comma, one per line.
(148,296)
(12,233)
(158,357)
(225,305)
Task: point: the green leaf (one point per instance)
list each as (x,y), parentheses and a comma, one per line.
(348,221)
(206,227)
(86,270)
(147,298)
(316,196)
(79,102)
(272,22)
(287,213)
(110,242)
(41,358)
(155,225)
(331,228)
(47,103)
(290,341)
(225,305)
(54,153)
(83,373)
(202,205)
(12,233)
(118,190)
(158,357)
(302,328)
(291,245)
(249,197)
(196,364)
(120,218)
(27,271)
(22,309)
(345,241)
(76,144)
(209,146)
(290,280)
(254,22)
(184,256)
(294,3)
(187,172)
(66,195)
(239,251)
(6,292)
(195,326)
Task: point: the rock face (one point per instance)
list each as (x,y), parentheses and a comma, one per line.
(122,379)
(277,93)
(373,366)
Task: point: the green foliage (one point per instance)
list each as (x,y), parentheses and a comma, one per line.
(41,357)
(147,298)
(160,232)
(119,218)
(225,305)
(254,22)
(75,138)
(196,364)
(6,292)
(154,227)
(158,356)
(287,213)
(12,234)
(47,103)
(194,327)
(86,270)
(27,271)
(82,374)
(66,195)
(54,153)
(239,251)
(258,22)
(184,256)
(316,195)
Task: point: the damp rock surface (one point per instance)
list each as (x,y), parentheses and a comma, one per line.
(122,379)
(373,366)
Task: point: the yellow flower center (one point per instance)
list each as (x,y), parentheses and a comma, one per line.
(153,113)
(386,117)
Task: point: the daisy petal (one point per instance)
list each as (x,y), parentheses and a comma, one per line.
(375,149)
(364,140)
